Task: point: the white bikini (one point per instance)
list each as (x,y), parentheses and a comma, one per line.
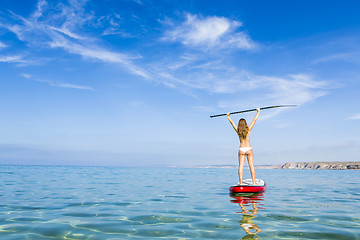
(245,149)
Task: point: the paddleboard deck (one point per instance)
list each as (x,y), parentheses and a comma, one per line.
(249,187)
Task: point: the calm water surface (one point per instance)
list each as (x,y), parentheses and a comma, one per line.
(40,202)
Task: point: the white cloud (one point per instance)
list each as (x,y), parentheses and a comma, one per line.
(343,48)
(69,85)
(2,45)
(13,59)
(292,89)
(353,57)
(138,2)
(25,75)
(68,33)
(218,77)
(60,27)
(210,32)
(20,60)
(101,54)
(41,5)
(355,117)
(113,25)
(241,40)
(136,103)
(57,83)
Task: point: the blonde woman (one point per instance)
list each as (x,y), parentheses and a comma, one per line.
(244,131)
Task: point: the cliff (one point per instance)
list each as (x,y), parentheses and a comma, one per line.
(322,165)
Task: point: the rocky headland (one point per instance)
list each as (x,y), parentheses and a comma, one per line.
(322,165)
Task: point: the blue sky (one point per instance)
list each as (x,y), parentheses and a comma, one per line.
(133,82)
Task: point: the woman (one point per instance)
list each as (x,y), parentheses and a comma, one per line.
(245,150)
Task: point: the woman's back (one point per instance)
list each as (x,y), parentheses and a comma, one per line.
(245,142)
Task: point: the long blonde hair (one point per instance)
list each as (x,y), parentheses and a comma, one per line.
(243,128)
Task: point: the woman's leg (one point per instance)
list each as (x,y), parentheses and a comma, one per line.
(241,166)
(250,158)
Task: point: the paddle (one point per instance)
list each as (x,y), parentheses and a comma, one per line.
(251,110)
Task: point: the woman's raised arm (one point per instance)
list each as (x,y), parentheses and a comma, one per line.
(231,121)
(254,120)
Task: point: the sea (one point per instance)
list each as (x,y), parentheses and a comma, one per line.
(72,202)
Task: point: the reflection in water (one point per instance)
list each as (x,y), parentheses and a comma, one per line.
(249,206)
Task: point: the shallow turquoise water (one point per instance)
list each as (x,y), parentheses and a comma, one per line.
(42,202)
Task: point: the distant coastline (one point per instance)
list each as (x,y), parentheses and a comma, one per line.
(323,165)
(300,165)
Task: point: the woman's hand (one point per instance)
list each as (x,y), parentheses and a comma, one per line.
(258,109)
(228,114)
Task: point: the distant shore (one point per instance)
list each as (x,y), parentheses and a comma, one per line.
(323,165)
(300,165)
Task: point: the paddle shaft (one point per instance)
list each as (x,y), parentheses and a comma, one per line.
(251,110)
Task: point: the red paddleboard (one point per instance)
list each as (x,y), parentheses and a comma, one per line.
(249,187)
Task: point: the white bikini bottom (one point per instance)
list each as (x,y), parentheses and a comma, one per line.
(245,149)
